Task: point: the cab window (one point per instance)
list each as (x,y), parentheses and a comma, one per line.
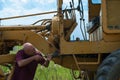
(96,1)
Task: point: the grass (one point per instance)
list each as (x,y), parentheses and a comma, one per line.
(53,72)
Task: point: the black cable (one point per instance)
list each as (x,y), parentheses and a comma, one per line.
(82,20)
(82,29)
(0,22)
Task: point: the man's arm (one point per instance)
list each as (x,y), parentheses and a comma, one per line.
(24,62)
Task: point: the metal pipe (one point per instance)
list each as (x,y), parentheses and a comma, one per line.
(28,15)
(14,17)
(22,27)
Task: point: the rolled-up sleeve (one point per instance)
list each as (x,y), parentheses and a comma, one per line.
(19,56)
(42,61)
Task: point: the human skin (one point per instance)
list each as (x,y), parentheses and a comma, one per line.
(30,50)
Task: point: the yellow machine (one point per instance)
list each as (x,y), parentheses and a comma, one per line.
(97,58)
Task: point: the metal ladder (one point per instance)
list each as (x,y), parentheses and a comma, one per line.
(85,63)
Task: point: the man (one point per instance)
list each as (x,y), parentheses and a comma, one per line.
(27,60)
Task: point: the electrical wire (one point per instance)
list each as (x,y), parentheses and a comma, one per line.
(82,20)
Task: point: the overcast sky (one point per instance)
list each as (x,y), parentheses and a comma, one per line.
(21,7)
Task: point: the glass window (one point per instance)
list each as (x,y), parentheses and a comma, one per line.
(96,1)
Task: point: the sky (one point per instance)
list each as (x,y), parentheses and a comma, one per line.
(21,7)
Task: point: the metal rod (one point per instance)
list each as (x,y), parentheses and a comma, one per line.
(14,17)
(82,29)
(25,27)
(76,62)
(28,15)
(85,30)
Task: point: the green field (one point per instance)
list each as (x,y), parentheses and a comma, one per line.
(53,72)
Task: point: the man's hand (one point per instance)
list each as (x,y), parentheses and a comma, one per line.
(49,57)
(37,58)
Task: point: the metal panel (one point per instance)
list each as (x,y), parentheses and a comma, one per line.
(110,15)
(29,36)
(87,47)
